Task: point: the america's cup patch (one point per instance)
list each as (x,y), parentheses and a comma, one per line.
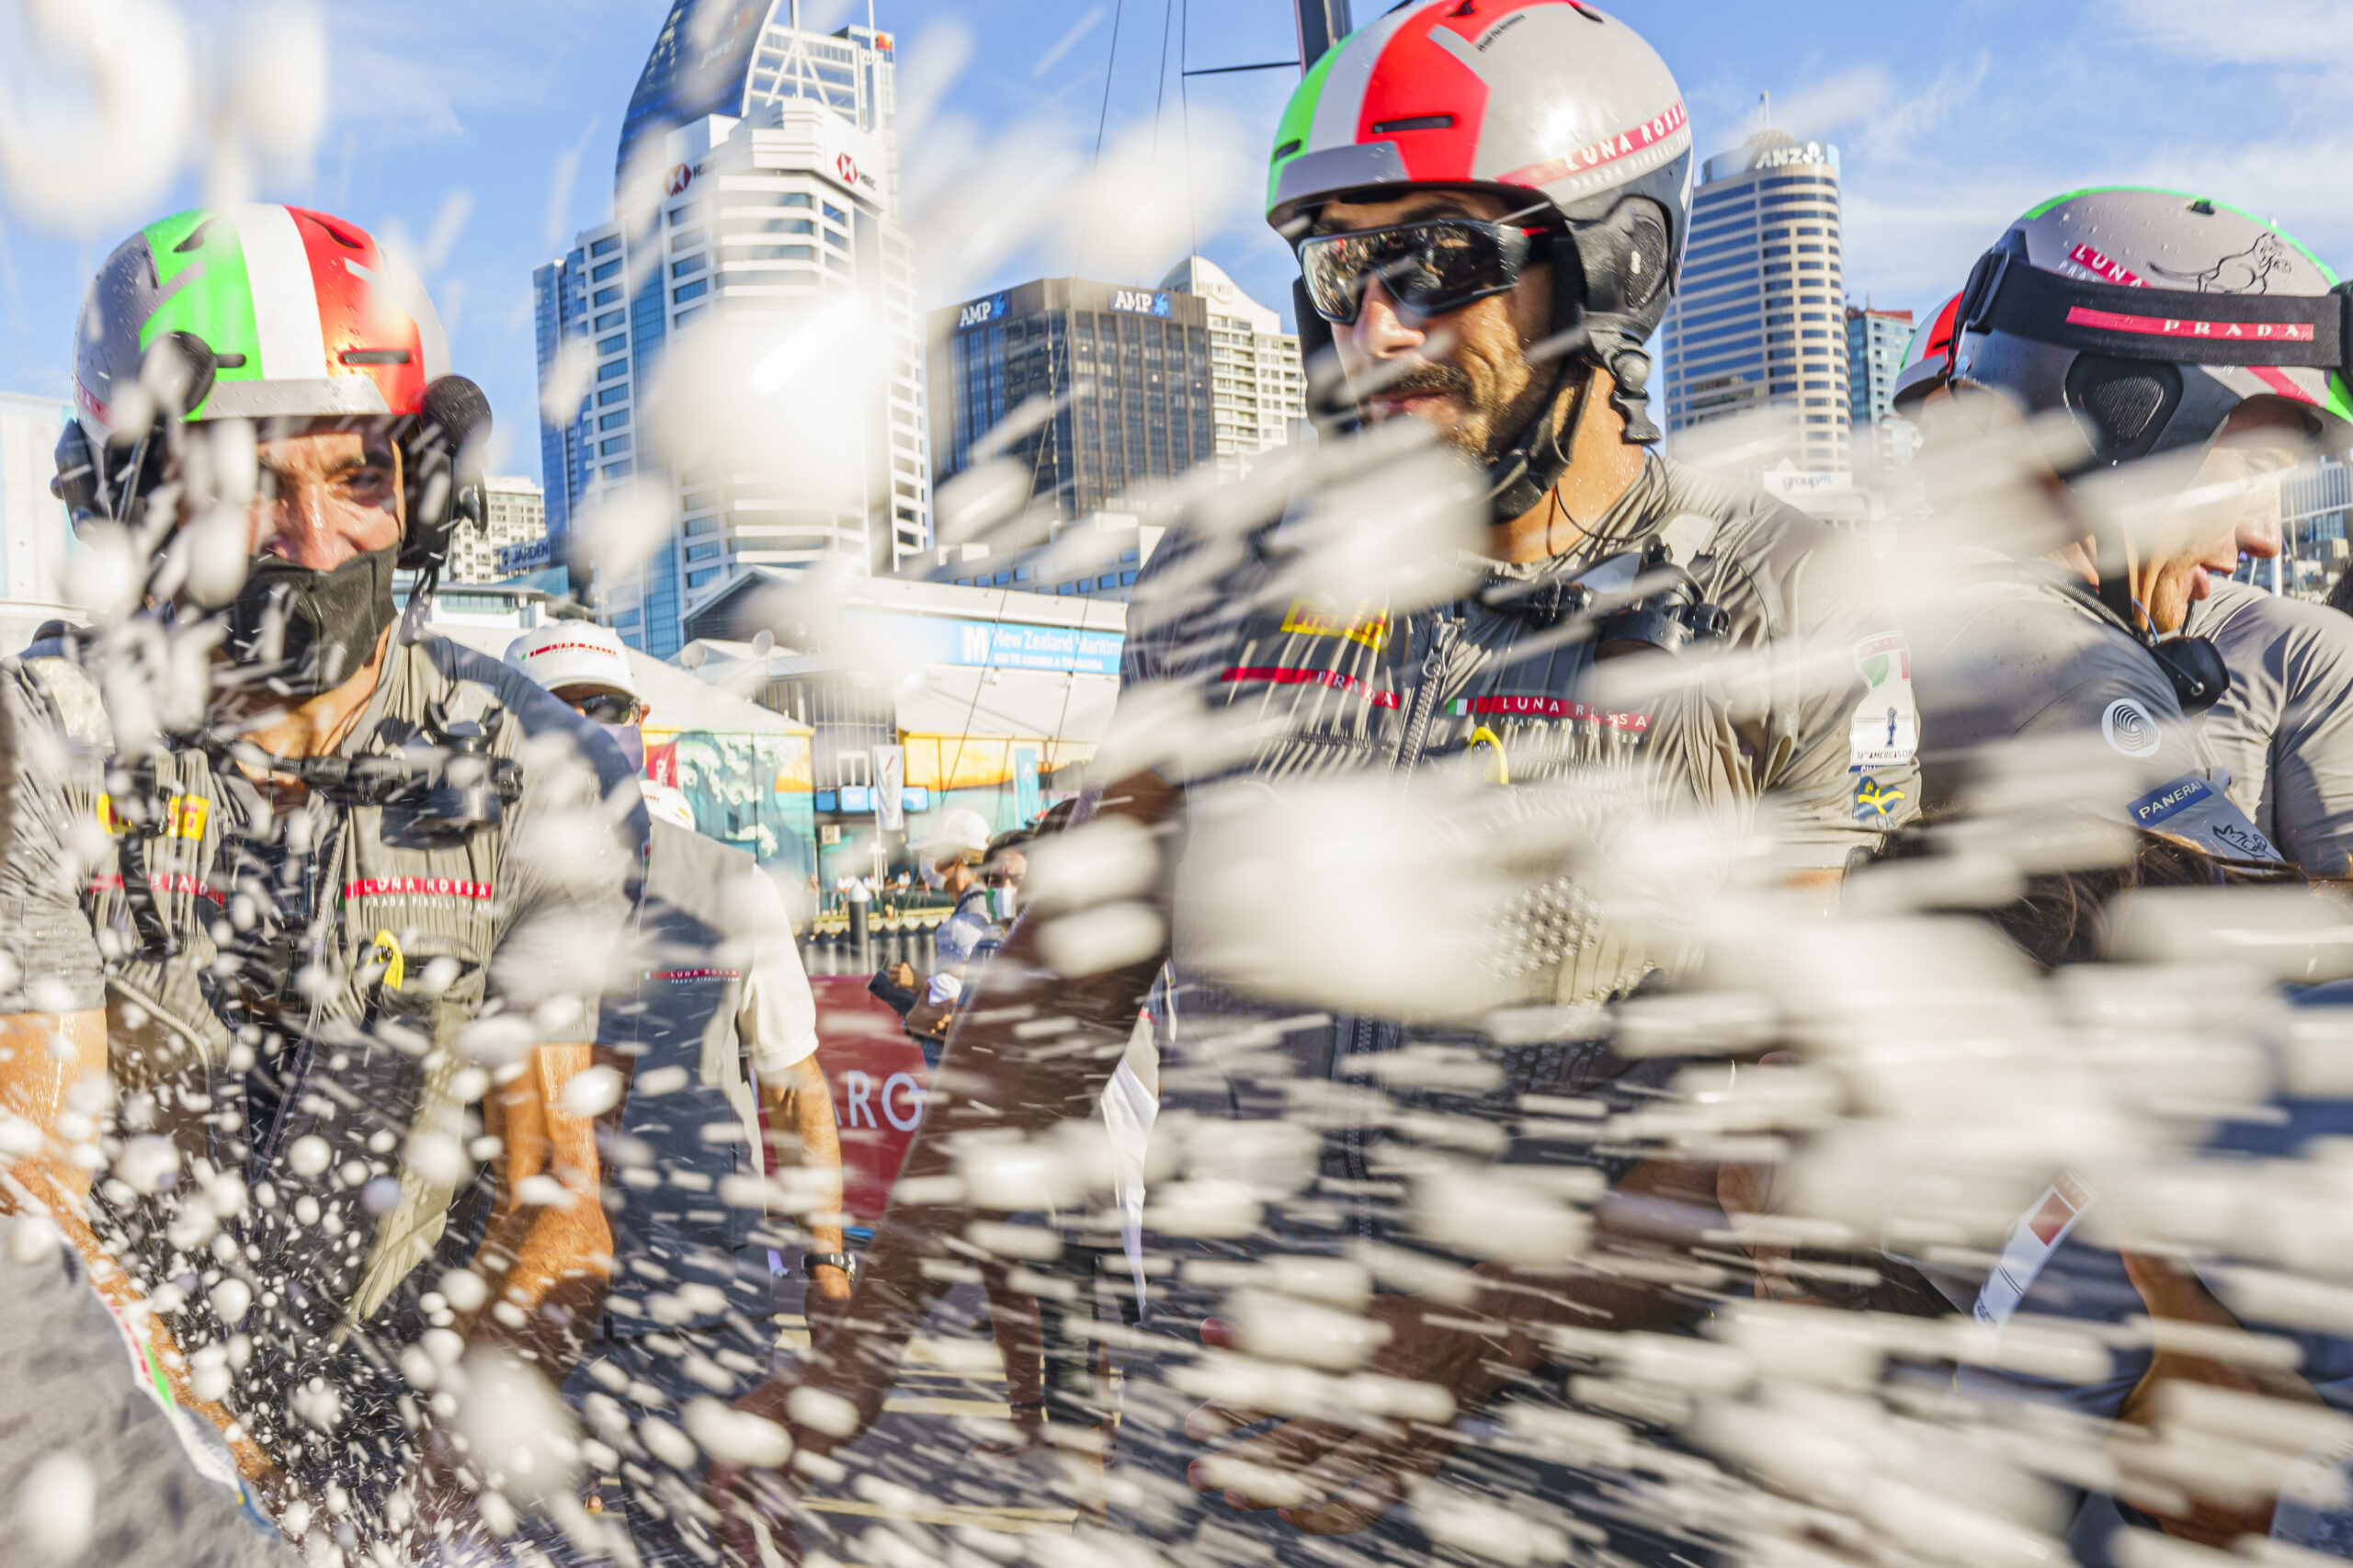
(1884,730)
(2027,1250)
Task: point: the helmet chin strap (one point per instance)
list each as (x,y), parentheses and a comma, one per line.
(1524,472)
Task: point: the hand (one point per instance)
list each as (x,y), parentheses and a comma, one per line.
(824,1300)
(1327,1477)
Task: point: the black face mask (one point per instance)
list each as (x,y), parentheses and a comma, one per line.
(308,631)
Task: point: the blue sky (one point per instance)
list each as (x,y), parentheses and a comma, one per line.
(481,134)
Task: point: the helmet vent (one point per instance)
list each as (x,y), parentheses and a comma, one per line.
(195,238)
(1415,123)
(1286,149)
(2128,401)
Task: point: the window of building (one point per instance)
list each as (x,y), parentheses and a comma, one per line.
(613,371)
(614,420)
(1021,574)
(687,266)
(606,246)
(613,345)
(694,291)
(618,445)
(685,239)
(1126,578)
(685,212)
(696,579)
(686,315)
(608,296)
(836,213)
(609,319)
(703,551)
(839,241)
(619,470)
(793,199)
(612,394)
(604,271)
(773,253)
(625,617)
(788,226)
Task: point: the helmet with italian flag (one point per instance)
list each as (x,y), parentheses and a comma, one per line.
(2149,316)
(1559,107)
(1928,362)
(271,312)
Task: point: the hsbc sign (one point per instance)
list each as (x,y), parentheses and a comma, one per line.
(681,176)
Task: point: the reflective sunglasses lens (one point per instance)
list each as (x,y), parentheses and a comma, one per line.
(608,707)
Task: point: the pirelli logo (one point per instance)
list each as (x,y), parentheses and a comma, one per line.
(415,887)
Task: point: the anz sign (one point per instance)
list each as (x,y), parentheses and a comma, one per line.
(980,313)
(1140,302)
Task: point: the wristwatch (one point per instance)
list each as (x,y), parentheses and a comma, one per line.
(811,1261)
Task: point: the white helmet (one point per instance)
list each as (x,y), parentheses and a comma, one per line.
(567,653)
(961,832)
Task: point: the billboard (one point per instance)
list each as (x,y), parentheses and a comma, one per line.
(995,644)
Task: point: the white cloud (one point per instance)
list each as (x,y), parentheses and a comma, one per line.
(2294,34)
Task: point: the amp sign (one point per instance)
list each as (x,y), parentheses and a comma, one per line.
(1140,302)
(980,313)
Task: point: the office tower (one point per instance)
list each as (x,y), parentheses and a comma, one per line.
(1756,329)
(1876,341)
(1257,389)
(1117,378)
(512,535)
(756,181)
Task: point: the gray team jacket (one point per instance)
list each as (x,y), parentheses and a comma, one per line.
(680,1233)
(2284,730)
(1804,712)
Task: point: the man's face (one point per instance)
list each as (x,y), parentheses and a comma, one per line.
(2235,510)
(1466,372)
(325,497)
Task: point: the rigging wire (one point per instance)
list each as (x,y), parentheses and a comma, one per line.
(1102,119)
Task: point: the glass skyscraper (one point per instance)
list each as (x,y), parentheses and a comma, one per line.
(1875,343)
(757,173)
(1126,371)
(1758,326)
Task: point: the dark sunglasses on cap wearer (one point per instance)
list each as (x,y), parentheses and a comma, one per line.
(607,707)
(1430,268)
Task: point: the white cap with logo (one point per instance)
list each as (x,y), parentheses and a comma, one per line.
(567,653)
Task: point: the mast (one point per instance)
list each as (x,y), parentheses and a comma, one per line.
(1321,24)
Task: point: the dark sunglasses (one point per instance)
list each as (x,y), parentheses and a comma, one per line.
(1430,267)
(608,707)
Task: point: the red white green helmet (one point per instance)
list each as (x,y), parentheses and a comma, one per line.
(1551,104)
(306,315)
(2150,316)
(277,313)
(1549,99)
(1927,363)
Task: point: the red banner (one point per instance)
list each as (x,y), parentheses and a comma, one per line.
(878,1079)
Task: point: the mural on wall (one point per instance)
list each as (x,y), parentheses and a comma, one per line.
(747,789)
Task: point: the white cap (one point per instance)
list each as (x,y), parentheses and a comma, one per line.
(961,829)
(565,653)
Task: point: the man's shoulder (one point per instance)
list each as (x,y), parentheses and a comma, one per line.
(1756,547)
(2239,612)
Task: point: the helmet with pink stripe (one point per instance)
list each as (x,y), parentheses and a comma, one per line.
(2149,316)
